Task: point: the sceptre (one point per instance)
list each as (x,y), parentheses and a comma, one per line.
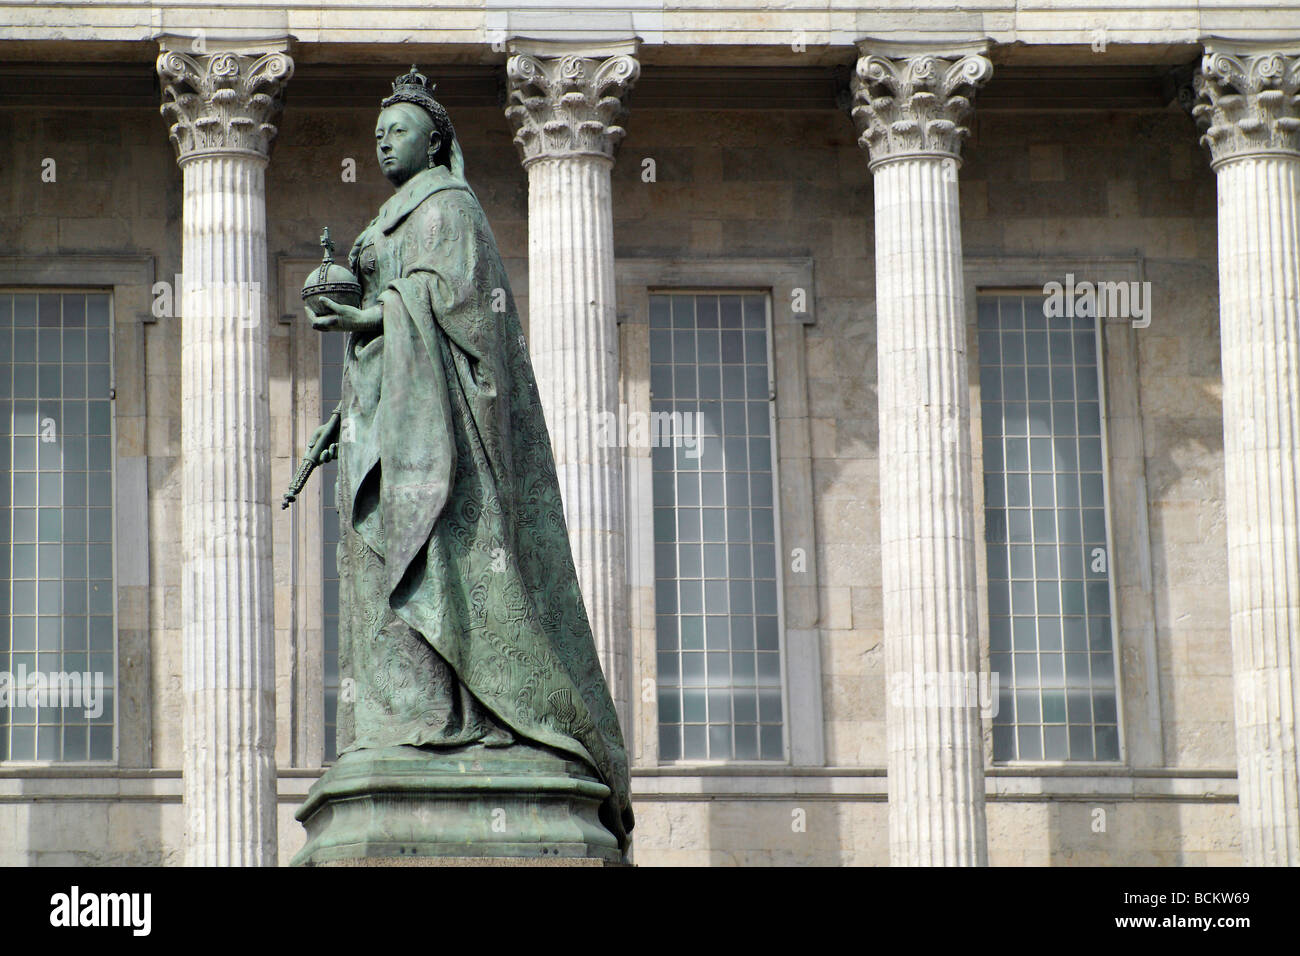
(310,461)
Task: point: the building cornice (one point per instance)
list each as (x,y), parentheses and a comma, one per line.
(467,24)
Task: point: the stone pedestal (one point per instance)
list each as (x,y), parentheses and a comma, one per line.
(413,806)
(1249,107)
(565,110)
(220,106)
(909,107)
(478,862)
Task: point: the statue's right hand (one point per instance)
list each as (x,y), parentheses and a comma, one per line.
(318,435)
(321,436)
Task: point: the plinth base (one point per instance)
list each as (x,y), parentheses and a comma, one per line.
(412,806)
(475,861)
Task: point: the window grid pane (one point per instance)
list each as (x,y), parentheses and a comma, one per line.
(56,518)
(1050,635)
(331,385)
(716,583)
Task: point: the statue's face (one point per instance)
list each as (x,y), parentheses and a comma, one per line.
(403,138)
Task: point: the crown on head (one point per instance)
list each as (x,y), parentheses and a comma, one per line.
(415,88)
(414,79)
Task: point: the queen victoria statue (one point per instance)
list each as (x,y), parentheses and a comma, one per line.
(475,720)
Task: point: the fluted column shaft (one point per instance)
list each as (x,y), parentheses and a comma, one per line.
(935,749)
(1258,170)
(1259,276)
(574,344)
(222,139)
(227,592)
(564,111)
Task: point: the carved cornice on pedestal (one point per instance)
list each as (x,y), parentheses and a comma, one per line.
(1247,102)
(222,103)
(568,105)
(914,103)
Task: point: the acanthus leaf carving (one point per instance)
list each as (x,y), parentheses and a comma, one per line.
(568,105)
(222,102)
(1247,103)
(913,105)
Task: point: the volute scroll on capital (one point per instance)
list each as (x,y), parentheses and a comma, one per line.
(568,105)
(222,103)
(915,105)
(1247,103)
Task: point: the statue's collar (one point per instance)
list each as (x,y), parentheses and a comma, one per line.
(413,192)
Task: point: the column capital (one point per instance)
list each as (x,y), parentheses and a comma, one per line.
(910,99)
(222,102)
(1246,99)
(567,100)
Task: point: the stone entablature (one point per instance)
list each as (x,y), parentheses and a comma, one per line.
(802,30)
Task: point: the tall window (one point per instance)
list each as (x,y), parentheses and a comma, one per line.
(331,384)
(56,519)
(718,625)
(1050,635)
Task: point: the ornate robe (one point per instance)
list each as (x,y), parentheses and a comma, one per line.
(461,620)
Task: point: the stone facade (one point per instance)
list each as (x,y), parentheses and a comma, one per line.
(1119,187)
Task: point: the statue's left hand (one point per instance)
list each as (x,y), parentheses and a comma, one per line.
(344,318)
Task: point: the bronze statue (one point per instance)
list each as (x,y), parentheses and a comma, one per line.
(461,622)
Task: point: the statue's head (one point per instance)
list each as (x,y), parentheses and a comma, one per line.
(413,131)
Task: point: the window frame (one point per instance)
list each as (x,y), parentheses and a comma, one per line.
(1124,481)
(129,281)
(1101,372)
(776,521)
(798,597)
(104,276)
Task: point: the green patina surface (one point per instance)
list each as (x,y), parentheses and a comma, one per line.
(461,623)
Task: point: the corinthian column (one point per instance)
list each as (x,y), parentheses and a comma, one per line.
(220,106)
(565,111)
(908,107)
(1248,105)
